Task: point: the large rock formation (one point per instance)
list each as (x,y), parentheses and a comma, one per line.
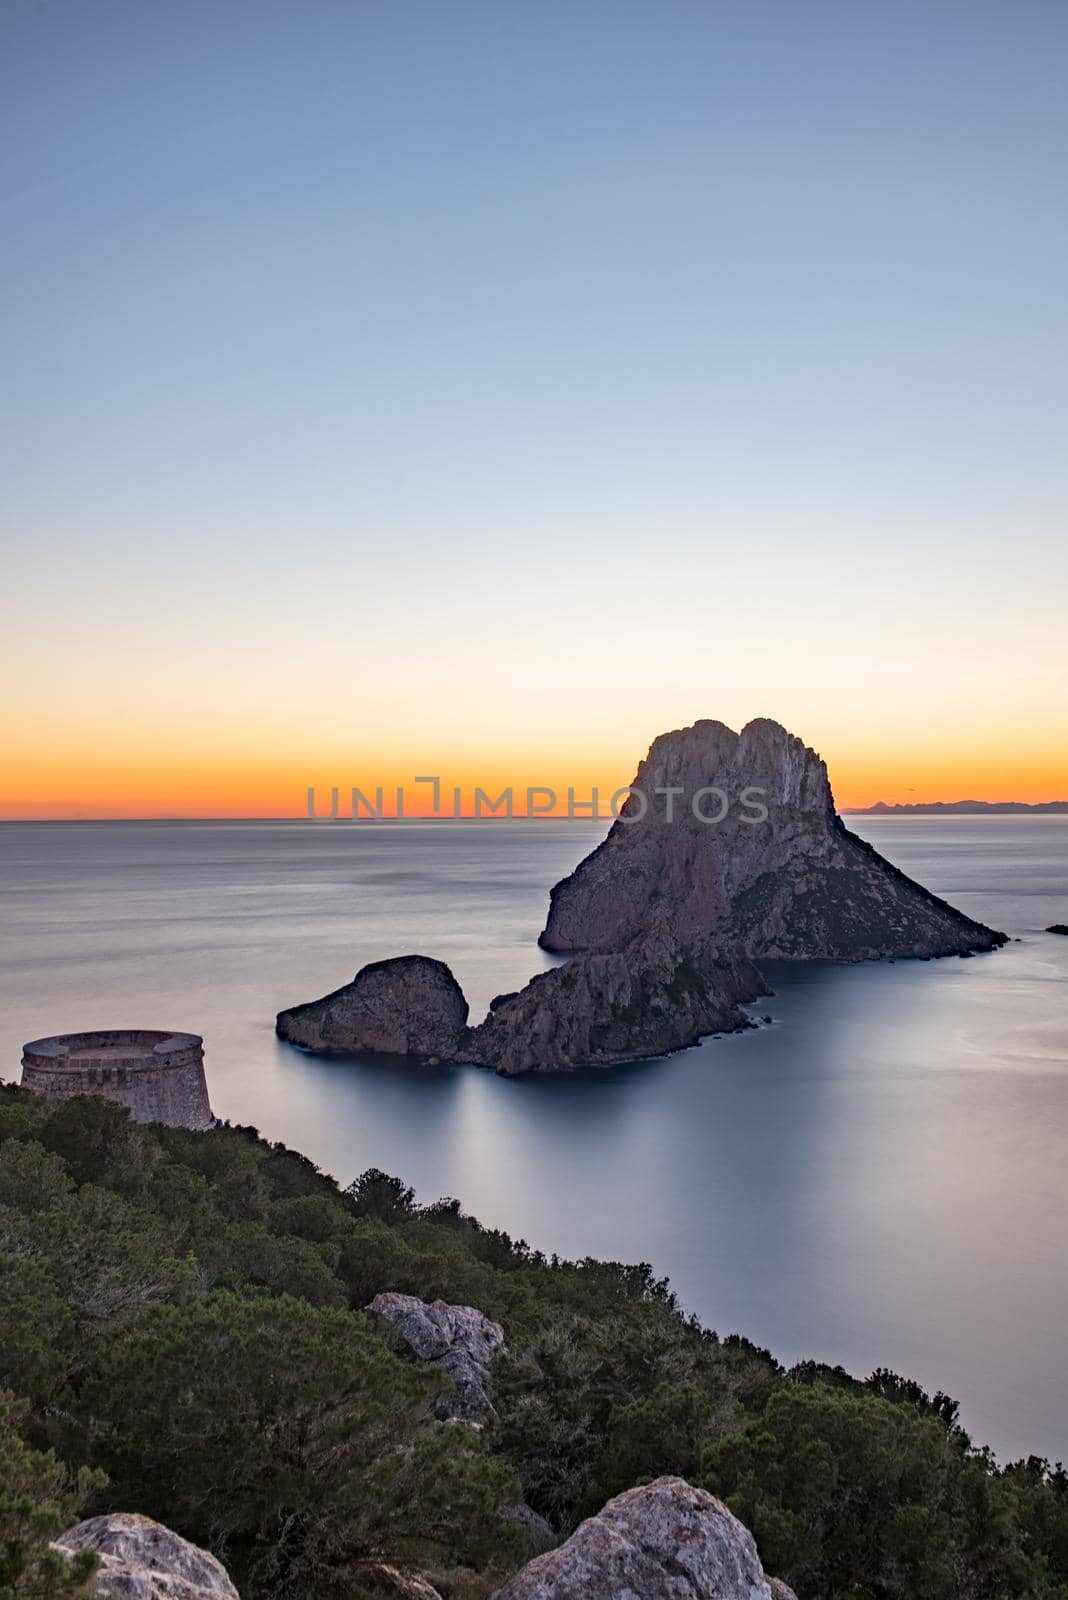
(408,1006)
(142,1560)
(459,1339)
(778,875)
(664,1541)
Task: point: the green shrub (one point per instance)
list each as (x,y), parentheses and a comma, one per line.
(852,1494)
(39,1499)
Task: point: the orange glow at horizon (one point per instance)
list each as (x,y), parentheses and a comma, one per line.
(105,784)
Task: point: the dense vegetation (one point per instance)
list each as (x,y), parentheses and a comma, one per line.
(180,1321)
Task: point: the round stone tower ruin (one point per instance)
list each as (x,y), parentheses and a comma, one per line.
(158,1077)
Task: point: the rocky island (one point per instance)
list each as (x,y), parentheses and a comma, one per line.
(727,851)
(793,884)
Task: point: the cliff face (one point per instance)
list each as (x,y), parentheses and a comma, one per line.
(778,876)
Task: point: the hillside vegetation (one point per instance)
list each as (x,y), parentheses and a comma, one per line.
(181,1324)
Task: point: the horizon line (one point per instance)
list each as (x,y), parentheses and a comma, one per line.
(877,807)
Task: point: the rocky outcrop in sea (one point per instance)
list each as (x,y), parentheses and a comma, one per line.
(728,851)
(777,876)
(407,1006)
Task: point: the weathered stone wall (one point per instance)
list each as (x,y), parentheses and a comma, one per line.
(159,1077)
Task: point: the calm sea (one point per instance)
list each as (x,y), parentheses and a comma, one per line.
(879,1178)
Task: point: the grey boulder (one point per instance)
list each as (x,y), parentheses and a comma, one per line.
(664,1541)
(142,1560)
(459,1339)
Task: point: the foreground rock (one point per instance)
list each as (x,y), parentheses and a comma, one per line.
(779,876)
(142,1560)
(664,1541)
(409,1006)
(459,1339)
(646,1000)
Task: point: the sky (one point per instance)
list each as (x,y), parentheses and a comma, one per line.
(394,388)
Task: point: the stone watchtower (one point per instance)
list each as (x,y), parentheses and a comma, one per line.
(159,1077)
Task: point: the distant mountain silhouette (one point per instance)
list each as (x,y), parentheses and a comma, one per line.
(934,808)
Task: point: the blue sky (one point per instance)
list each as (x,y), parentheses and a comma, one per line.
(381,341)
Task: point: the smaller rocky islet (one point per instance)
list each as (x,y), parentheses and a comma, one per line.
(666,921)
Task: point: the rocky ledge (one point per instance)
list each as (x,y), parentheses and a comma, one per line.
(663,1541)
